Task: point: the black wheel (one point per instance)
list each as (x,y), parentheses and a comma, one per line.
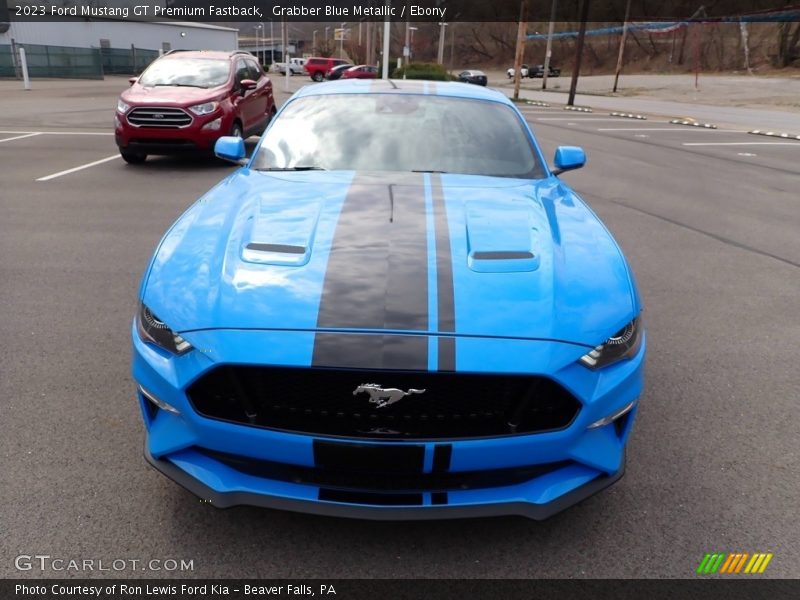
(317,76)
(133,158)
(236,130)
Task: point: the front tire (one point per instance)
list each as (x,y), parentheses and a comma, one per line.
(236,130)
(317,76)
(133,158)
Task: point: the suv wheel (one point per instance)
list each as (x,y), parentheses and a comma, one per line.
(236,130)
(317,76)
(133,158)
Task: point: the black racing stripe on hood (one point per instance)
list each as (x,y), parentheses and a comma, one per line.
(444,278)
(376,277)
(371,351)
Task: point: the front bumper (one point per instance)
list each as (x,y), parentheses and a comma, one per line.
(281,496)
(171,141)
(580,461)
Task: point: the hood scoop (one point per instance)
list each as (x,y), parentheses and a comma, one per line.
(281,234)
(500,237)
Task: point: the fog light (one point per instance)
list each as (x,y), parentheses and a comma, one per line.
(158,402)
(613,416)
(213,125)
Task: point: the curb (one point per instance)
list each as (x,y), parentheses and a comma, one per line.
(628,116)
(786,136)
(537,103)
(692,123)
(578,108)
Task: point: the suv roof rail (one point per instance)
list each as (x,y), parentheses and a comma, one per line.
(176,50)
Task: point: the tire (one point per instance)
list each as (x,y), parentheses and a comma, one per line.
(317,76)
(236,130)
(133,158)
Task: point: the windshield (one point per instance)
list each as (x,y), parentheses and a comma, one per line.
(192,72)
(399,132)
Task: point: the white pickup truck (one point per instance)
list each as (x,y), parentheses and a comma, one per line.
(295,66)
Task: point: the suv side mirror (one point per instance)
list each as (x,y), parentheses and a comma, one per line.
(133,80)
(230,148)
(568,158)
(247,84)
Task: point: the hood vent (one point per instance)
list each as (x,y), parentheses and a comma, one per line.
(281,234)
(500,237)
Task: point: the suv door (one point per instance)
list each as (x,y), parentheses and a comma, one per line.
(246,101)
(262,107)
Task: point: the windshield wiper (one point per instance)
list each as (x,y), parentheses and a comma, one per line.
(180,85)
(312,168)
(427,171)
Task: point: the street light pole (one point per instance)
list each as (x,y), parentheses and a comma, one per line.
(314,41)
(341,41)
(386,34)
(440,56)
(271,45)
(622,44)
(549,50)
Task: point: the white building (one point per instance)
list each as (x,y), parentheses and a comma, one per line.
(91,48)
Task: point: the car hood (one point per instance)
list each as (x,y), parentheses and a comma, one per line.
(416,253)
(165,94)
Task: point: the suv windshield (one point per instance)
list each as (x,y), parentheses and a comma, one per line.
(399,132)
(192,72)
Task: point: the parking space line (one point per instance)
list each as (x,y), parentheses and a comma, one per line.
(741,144)
(60,132)
(80,168)
(577,118)
(19,137)
(681,129)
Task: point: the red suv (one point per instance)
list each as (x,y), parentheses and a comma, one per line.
(185,100)
(318,67)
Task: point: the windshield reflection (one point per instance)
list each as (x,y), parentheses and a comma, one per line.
(399,132)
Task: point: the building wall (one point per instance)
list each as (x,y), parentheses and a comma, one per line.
(150,36)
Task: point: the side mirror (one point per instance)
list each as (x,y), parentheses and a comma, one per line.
(230,148)
(568,158)
(247,84)
(133,80)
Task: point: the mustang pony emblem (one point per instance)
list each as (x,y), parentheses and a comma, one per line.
(384,397)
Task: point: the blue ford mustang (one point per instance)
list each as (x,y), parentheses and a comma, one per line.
(393,310)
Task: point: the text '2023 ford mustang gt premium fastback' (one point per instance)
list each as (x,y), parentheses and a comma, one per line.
(393,310)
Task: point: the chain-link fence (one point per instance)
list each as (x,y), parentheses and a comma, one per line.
(126,61)
(75,63)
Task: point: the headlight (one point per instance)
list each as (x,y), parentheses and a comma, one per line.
(152,329)
(623,344)
(204,109)
(122,106)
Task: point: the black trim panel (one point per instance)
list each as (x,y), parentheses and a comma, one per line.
(382,513)
(444,277)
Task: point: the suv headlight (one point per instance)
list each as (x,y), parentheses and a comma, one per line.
(152,329)
(204,109)
(122,107)
(623,344)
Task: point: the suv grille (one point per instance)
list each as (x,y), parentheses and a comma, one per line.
(322,402)
(159,117)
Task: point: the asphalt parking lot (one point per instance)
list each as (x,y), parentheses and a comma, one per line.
(709,220)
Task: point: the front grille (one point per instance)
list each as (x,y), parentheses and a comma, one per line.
(322,402)
(170,118)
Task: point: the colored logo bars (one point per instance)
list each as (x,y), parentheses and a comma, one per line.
(738,562)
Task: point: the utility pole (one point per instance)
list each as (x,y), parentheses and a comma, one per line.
(573,86)
(386,34)
(549,50)
(286,56)
(521,29)
(622,44)
(442,32)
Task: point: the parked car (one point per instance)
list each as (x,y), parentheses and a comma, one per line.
(395,309)
(336,72)
(186,100)
(295,66)
(361,72)
(523,72)
(538,71)
(472,76)
(318,67)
